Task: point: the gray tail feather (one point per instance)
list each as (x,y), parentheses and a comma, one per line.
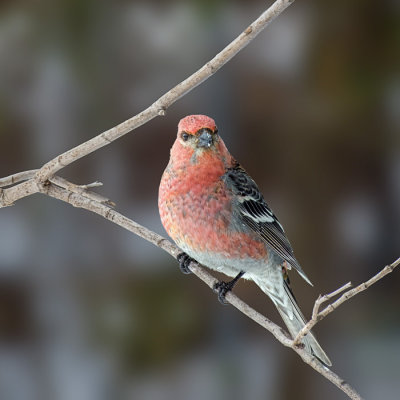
(295,321)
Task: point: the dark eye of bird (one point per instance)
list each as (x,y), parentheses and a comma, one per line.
(185,136)
(216,131)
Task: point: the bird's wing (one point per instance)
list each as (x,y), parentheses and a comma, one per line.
(255,213)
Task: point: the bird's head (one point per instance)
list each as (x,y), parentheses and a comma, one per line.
(199,144)
(198,132)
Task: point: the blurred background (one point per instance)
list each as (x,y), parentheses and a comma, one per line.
(311,108)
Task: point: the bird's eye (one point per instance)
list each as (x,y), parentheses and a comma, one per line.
(185,136)
(216,130)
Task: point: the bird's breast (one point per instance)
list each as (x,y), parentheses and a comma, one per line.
(196,210)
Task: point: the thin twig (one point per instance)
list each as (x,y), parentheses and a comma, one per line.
(360,288)
(319,315)
(314,317)
(82,189)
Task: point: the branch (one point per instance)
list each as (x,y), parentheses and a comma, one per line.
(319,315)
(79,196)
(314,317)
(159,107)
(87,202)
(16,178)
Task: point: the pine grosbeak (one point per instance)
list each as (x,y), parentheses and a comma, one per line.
(216,214)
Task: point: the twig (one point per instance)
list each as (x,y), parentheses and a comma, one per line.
(315,316)
(319,315)
(360,288)
(82,189)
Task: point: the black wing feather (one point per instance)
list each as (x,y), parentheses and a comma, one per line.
(256,214)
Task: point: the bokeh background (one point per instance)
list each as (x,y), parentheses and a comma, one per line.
(311,108)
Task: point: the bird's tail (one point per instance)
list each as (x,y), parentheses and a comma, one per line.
(294,320)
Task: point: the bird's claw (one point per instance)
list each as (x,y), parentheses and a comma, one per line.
(184,260)
(222,288)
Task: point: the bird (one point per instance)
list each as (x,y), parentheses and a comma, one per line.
(216,214)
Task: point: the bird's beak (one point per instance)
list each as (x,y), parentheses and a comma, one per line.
(205,139)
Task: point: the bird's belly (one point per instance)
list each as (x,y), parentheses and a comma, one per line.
(231,266)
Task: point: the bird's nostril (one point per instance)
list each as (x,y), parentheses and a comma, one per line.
(205,139)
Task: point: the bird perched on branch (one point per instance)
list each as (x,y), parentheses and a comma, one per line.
(216,214)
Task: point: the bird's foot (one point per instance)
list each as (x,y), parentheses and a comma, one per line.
(184,260)
(222,288)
